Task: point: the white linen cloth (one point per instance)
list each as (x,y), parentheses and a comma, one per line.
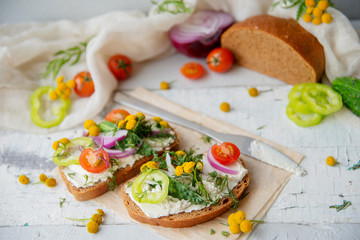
(25,50)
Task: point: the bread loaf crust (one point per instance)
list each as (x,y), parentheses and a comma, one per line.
(121,174)
(279,32)
(185,219)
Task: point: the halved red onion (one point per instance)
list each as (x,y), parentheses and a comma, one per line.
(232,169)
(110,141)
(121,154)
(200,33)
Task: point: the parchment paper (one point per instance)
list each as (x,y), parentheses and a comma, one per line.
(266,182)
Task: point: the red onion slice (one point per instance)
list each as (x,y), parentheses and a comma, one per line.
(121,154)
(232,169)
(109,141)
(200,33)
(107,163)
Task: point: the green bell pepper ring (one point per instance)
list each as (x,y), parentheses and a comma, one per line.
(150,187)
(59,112)
(303,120)
(70,155)
(322,99)
(296,101)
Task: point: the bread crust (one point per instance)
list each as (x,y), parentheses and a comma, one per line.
(121,174)
(183,220)
(284,33)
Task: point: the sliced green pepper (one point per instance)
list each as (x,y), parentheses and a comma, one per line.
(303,120)
(150,187)
(59,111)
(296,101)
(321,98)
(65,157)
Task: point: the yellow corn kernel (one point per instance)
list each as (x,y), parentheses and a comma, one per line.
(225,107)
(60,79)
(326,18)
(130,124)
(53,95)
(55,145)
(89,123)
(94,131)
(306,18)
(179,170)
(71,83)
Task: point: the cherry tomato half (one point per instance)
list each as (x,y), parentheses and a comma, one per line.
(192,70)
(94,161)
(116,115)
(120,66)
(84,85)
(220,60)
(225,153)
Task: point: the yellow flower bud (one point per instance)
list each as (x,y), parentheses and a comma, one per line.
(130,117)
(326,18)
(50,182)
(164,85)
(53,95)
(164,124)
(140,116)
(323,4)
(94,131)
(97,218)
(246,226)
(239,216)
(148,166)
(180,153)
(199,166)
(55,145)
(68,92)
(234,228)
(89,123)
(121,124)
(330,161)
(64,140)
(306,18)
(157,119)
(23,179)
(189,167)
(225,107)
(231,219)
(101,212)
(43,178)
(60,79)
(179,170)
(310,3)
(317,21)
(92,227)
(317,12)
(130,124)
(71,83)
(61,86)
(253,92)
(309,10)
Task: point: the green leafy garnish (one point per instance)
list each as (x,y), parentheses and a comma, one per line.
(212,231)
(106,126)
(64,56)
(86,179)
(206,139)
(225,233)
(180,191)
(71,174)
(172,6)
(355,166)
(345,205)
(112,183)
(62,200)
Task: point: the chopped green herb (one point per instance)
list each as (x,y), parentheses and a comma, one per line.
(206,139)
(213,174)
(225,233)
(65,56)
(86,179)
(345,205)
(212,231)
(71,174)
(355,166)
(62,200)
(112,183)
(172,6)
(261,127)
(181,191)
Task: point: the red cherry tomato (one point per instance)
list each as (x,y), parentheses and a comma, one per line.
(84,85)
(94,161)
(192,70)
(226,153)
(220,60)
(120,66)
(116,115)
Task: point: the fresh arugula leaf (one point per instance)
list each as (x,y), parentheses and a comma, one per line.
(145,150)
(180,191)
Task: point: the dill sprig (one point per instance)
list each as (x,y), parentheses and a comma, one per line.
(64,56)
(172,6)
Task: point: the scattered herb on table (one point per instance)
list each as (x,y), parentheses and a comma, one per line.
(345,205)
(261,127)
(212,231)
(225,224)
(355,166)
(206,139)
(225,233)
(64,56)
(62,200)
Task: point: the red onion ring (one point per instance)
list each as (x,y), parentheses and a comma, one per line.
(110,141)
(228,169)
(107,163)
(200,33)
(121,154)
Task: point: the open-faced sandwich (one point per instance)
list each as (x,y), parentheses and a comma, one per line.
(112,154)
(180,189)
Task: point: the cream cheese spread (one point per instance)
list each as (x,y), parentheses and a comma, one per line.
(269,155)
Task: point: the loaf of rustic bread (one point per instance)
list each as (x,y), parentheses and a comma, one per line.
(277,47)
(185,219)
(121,175)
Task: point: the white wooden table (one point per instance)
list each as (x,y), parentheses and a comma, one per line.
(300,212)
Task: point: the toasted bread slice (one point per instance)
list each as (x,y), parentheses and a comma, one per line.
(122,175)
(185,219)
